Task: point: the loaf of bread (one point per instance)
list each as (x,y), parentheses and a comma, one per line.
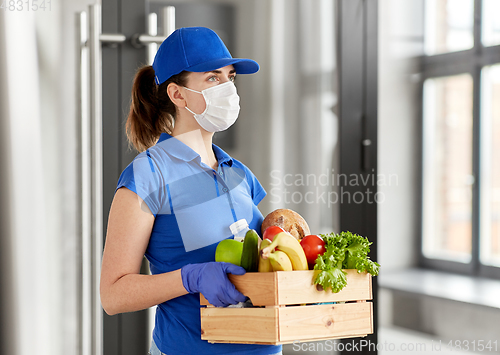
(289,220)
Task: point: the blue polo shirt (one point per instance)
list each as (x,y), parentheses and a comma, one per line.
(193,205)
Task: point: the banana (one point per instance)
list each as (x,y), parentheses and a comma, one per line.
(264,264)
(291,246)
(280,261)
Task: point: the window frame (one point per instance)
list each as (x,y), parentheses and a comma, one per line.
(470,61)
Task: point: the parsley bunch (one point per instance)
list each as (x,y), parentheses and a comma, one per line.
(343,251)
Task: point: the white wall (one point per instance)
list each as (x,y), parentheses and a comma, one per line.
(400,40)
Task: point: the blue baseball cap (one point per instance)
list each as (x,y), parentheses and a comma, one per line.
(196,49)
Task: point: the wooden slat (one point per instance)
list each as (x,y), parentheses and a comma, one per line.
(297,287)
(286,342)
(204,302)
(282,325)
(260,287)
(245,325)
(303,323)
(370,286)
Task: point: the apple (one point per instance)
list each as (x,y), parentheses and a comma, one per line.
(229,250)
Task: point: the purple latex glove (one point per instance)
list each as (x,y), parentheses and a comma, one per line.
(210,279)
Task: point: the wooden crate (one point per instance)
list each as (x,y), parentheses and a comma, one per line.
(286,309)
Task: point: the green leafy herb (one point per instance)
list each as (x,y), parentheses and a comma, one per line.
(343,251)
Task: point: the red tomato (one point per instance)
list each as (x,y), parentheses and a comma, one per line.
(313,246)
(271,231)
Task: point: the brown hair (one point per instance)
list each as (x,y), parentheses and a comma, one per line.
(151,111)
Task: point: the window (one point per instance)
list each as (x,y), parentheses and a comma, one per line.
(448,25)
(447,168)
(461,137)
(490,166)
(491,22)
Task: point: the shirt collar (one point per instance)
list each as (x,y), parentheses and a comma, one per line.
(181,151)
(176,148)
(222,156)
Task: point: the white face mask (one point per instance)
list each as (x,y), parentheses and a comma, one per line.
(223,107)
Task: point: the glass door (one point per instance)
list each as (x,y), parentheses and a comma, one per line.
(116,38)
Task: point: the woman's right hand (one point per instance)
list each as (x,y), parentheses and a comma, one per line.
(210,279)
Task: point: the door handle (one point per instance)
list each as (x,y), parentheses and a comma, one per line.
(112,38)
(90,40)
(141,40)
(365,154)
(89,100)
(90,172)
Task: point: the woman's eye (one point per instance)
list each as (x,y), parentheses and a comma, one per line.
(233,78)
(213,78)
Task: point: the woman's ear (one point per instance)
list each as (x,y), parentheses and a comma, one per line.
(175,94)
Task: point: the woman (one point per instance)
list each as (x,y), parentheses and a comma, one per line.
(178,197)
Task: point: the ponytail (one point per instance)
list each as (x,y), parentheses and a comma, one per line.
(151,111)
